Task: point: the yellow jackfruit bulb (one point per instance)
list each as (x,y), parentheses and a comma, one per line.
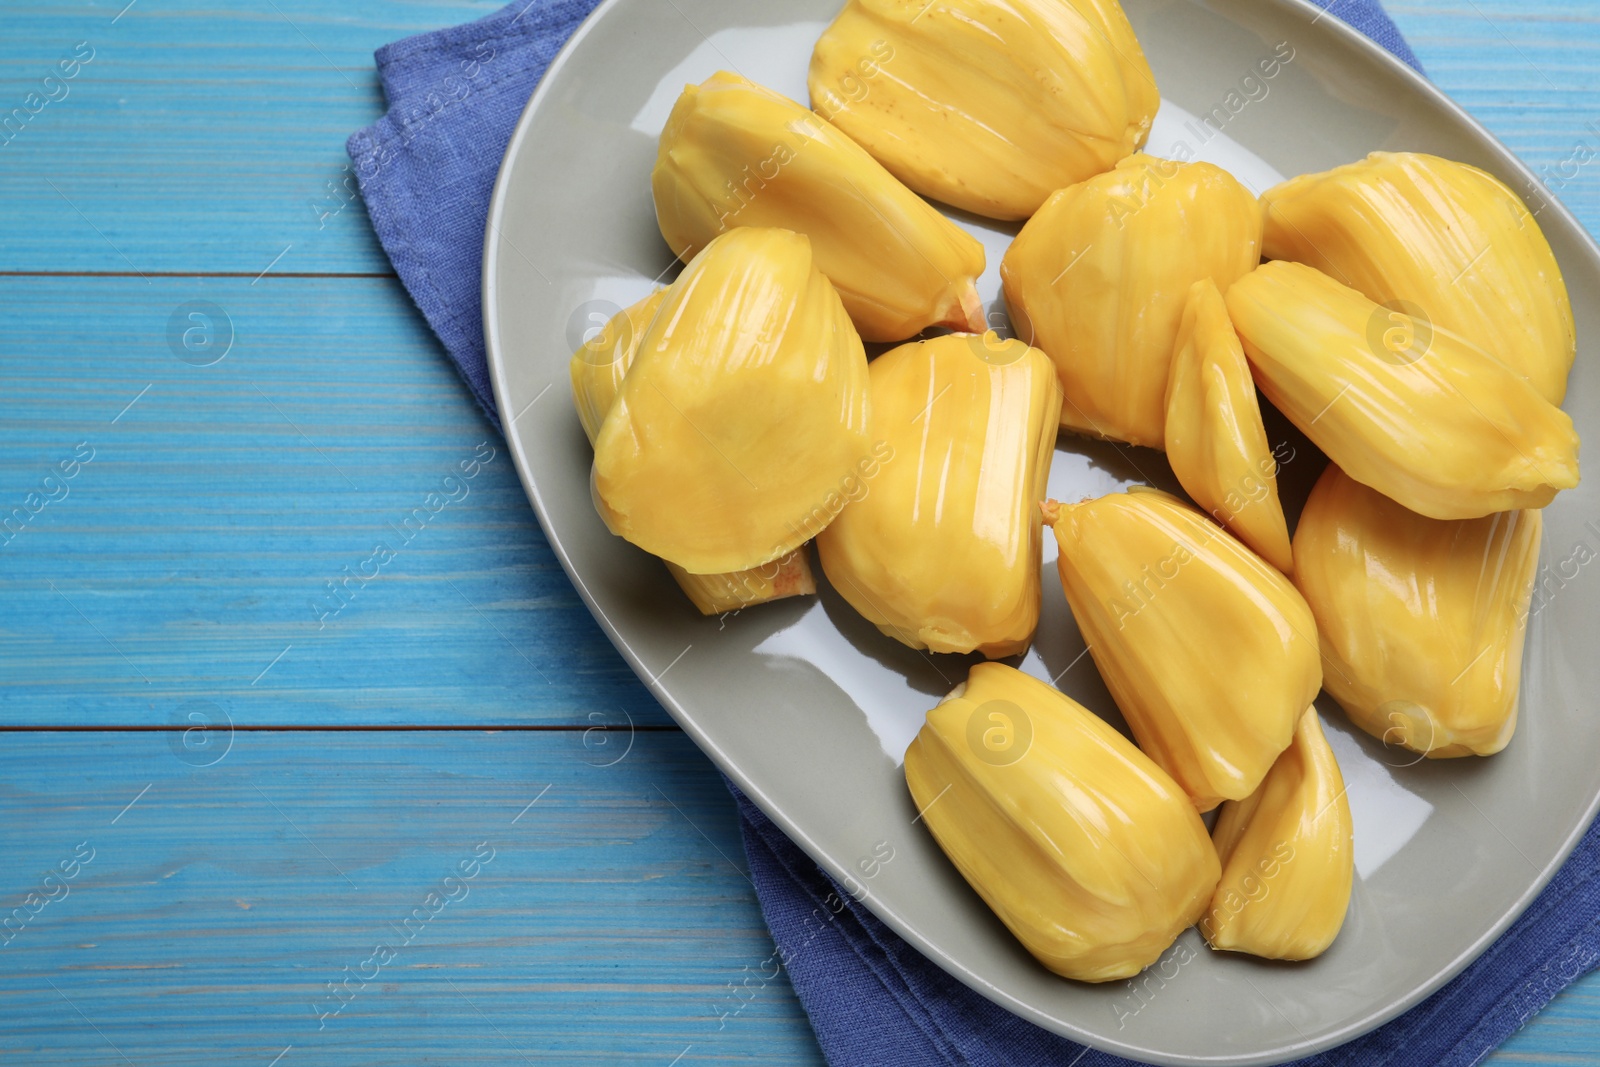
(1422,620)
(1441,241)
(1416,412)
(597,370)
(1088,852)
(987,105)
(745,407)
(940,545)
(602,361)
(1216,442)
(1288,859)
(736,154)
(1100,276)
(1208,651)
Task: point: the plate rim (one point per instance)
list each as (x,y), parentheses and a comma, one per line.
(1315,21)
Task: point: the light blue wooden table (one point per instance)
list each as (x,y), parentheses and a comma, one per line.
(553,869)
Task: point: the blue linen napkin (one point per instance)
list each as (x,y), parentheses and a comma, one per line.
(426,170)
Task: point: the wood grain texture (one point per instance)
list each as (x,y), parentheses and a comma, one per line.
(606,926)
(163,584)
(199,541)
(1530,72)
(233,117)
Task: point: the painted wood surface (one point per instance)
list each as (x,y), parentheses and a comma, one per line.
(380,898)
(221,539)
(179,578)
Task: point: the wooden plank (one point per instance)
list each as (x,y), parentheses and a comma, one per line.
(1527,71)
(605,926)
(1564,1033)
(196,138)
(199,542)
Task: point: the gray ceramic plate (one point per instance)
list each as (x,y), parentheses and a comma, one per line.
(809,709)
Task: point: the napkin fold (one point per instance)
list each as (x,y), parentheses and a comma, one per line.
(426,170)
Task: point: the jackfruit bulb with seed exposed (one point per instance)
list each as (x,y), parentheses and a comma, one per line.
(1422,620)
(736,154)
(941,548)
(1442,242)
(1416,412)
(1088,852)
(1100,276)
(1216,441)
(986,105)
(1288,856)
(746,406)
(1208,650)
